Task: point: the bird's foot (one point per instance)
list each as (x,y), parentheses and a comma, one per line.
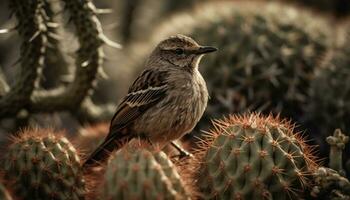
(182,152)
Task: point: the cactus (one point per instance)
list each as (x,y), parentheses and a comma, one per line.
(36,26)
(253,157)
(328,107)
(339,8)
(329,185)
(33,32)
(337,143)
(267,55)
(136,173)
(41,165)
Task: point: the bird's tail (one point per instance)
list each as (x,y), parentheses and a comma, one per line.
(104,150)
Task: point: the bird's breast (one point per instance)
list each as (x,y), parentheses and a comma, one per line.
(177,114)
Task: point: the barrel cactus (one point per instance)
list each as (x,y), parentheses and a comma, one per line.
(41,165)
(267,54)
(253,157)
(136,173)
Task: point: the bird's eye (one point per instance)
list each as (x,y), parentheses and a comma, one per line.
(179,51)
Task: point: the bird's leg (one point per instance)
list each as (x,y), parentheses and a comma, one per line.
(182,151)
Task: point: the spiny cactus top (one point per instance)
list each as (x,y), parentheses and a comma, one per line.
(41,165)
(139,174)
(253,157)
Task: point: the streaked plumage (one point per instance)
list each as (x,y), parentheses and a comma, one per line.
(164,102)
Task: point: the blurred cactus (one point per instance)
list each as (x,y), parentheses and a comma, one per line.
(253,157)
(337,143)
(267,55)
(329,185)
(55,60)
(138,17)
(136,173)
(41,165)
(4,194)
(338,8)
(37,30)
(33,31)
(328,107)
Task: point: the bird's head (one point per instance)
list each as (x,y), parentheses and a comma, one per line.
(180,51)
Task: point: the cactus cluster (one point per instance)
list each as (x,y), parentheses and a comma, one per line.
(253,157)
(329,185)
(40,164)
(137,173)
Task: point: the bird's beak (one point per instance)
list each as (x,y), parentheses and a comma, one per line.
(205,50)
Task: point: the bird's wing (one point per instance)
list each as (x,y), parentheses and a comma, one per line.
(147,90)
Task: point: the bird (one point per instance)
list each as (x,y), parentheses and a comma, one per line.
(165,101)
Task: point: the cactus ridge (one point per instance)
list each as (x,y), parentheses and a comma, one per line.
(253,157)
(41,165)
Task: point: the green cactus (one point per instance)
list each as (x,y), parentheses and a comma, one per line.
(41,165)
(56,62)
(253,157)
(33,33)
(136,173)
(267,55)
(337,143)
(4,194)
(38,30)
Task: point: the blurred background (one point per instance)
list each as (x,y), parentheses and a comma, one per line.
(288,58)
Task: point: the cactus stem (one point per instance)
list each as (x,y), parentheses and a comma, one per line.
(337,143)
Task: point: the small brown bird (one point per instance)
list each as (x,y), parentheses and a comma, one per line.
(165,102)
